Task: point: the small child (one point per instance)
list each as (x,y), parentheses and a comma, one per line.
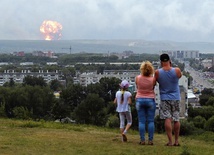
(123,99)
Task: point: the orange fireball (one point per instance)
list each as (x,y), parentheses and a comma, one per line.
(51,30)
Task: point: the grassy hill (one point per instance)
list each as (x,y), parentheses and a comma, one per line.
(50,138)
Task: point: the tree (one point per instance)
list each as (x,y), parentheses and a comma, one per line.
(2,110)
(33,81)
(68,73)
(13,97)
(11,83)
(190,79)
(186,128)
(203,99)
(209,125)
(205,111)
(199,121)
(73,95)
(55,85)
(21,113)
(109,88)
(205,95)
(208,91)
(60,110)
(91,111)
(95,88)
(40,101)
(210,101)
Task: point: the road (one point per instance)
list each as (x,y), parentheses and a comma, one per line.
(198,79)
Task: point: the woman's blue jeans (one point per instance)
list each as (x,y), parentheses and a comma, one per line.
(146,112)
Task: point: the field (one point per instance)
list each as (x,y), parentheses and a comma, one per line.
(50,138)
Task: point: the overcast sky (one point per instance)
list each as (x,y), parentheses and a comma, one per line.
(174,20)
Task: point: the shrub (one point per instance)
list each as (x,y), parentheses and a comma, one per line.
(205,111)
(21,113)
(186,128)
(210,101)
(113,121)
(159,124)
(206,136)
(30,124)
(209,125)
(199,122)
(2,110)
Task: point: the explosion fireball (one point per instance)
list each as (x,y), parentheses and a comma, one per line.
(51,30)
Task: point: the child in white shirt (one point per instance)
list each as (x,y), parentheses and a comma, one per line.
(123,99)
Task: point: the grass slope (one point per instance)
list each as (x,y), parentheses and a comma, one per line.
(49,138)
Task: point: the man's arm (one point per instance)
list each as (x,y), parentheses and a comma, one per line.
(156,74)
(178,72)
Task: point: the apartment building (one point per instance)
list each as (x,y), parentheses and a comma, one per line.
(18,77)
(181,54)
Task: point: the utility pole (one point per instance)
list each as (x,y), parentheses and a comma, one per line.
(68,48)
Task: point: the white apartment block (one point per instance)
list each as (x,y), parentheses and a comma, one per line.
(18,77)
(93,77)
(181,54)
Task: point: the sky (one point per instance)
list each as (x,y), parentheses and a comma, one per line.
(168,20)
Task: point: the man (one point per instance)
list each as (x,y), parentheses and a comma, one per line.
(168,78)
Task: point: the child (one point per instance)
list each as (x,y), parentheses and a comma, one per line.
(123,101)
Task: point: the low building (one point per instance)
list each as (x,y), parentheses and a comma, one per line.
(207,63)
(26,64)
(52,63)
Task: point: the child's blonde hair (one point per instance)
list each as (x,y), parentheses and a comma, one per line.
(147,68)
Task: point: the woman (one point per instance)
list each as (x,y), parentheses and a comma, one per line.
(123,101)
(145,101)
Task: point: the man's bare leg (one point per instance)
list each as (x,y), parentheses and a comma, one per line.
(168,128)
(176,131)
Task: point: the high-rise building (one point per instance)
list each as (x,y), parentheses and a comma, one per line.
(181,54)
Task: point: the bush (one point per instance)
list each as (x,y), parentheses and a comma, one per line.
(199,122)
(159,124)
(186,128)
(2,110)
(209,125)
(113,121)
(205,111)
(210,101)
(21,113)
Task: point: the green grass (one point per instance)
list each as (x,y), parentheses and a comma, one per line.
(49,138)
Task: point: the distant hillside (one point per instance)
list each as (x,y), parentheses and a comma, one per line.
(102,46)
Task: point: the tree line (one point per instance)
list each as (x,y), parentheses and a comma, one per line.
(34,99)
